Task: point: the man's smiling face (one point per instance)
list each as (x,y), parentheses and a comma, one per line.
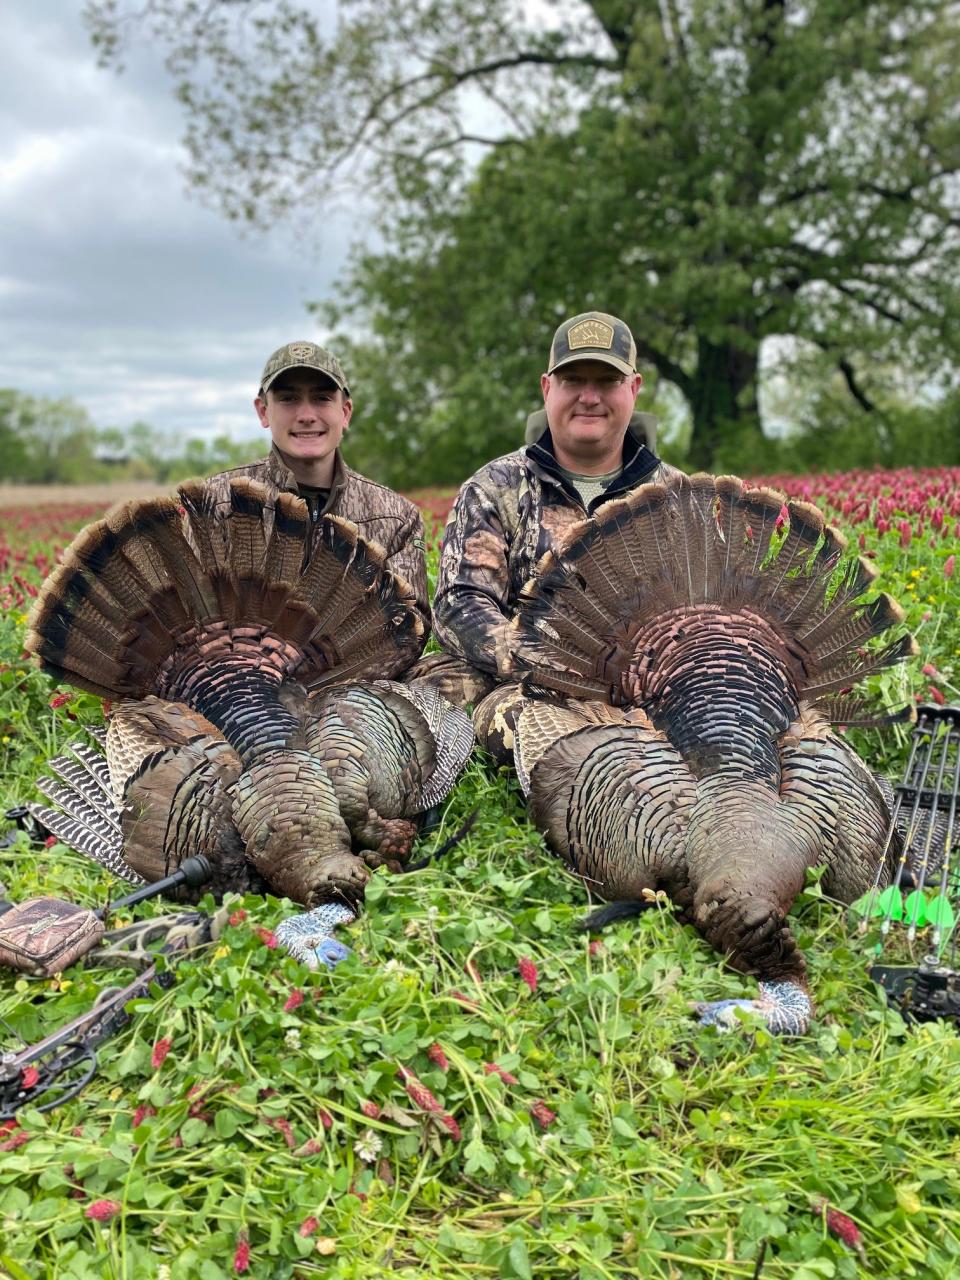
(588,405)
(306,414)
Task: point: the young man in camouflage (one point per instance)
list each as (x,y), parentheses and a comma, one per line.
(304,402)
(590,446)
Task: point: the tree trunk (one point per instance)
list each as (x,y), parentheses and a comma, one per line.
(723,402)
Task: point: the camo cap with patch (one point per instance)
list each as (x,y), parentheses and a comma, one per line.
(302,355)
(594,335)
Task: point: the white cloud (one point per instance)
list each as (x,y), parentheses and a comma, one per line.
(116,287)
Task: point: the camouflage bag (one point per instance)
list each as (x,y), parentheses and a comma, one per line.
(46,935)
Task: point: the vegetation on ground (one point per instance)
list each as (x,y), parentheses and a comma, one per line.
(480,1090)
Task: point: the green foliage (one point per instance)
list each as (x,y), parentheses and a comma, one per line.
(721,174)
(45,441)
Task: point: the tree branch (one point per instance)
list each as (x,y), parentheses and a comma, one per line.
(861,397)
(666,367)
(869,188)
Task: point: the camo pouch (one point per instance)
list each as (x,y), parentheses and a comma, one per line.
(46,935)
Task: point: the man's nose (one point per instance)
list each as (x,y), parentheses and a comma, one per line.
(589,393)
(306,411)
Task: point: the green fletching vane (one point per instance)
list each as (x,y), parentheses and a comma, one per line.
(915,909)
(940,913)
(865,904)
(890,904)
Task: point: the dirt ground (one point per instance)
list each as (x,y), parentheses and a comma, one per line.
(43,495)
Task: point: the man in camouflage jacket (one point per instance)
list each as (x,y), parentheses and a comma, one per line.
(591,446)
(304,402)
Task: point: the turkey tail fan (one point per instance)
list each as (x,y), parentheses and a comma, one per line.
(630,587)
(538,677)
(798,591)
(766,511)
(153,576)
(366,622)
(583,551)
(705,552)
(846,627)
(253,547)
(110,614)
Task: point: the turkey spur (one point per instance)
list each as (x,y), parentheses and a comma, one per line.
(704,637)
(248,655)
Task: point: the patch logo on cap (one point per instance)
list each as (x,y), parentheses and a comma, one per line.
(590,333)
(301,350)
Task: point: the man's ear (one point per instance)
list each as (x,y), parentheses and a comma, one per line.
(544,385)
(260,405)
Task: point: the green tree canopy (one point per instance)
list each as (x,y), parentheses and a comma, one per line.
(719,172)
(45,441)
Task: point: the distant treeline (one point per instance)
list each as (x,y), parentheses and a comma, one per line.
(45,441)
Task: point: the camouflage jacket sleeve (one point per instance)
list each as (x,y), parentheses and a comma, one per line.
(471,609)
(405,556)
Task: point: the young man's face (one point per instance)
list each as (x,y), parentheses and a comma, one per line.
(306,414)
(588,403)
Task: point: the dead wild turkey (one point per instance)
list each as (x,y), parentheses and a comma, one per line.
(702,668)
(232,646)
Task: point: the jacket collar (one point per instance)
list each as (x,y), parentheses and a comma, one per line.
(284,479)
(638,463)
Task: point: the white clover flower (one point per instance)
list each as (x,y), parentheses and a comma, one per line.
(368,1147)
(292,1038)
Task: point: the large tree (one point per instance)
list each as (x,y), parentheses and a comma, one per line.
(720,172)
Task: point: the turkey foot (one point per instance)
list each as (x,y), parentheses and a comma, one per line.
(784,1006)
(386,841)
(308,935)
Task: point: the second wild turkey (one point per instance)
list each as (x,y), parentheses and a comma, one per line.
(701,665)
(248,658)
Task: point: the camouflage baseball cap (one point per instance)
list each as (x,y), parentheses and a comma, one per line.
(594,335)
(302,355)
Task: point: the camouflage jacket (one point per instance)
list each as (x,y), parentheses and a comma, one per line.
(381,515)
(505,518)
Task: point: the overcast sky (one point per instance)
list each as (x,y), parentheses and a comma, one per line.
(117,287)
